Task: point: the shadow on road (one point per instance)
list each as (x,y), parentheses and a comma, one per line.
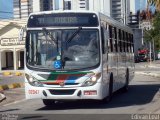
(137,95)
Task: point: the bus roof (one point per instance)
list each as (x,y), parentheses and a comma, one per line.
(115,23)
(102,16)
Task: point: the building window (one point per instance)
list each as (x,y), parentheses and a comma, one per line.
(67,5)
(46,5)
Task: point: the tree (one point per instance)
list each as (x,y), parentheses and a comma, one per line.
(146,15)
(154,33)
(155,3)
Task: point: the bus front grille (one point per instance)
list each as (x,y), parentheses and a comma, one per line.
(62,92)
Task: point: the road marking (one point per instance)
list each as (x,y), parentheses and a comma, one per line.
(15,102)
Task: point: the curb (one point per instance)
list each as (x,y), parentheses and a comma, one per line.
(146,66)
(11,86)
(148,74)
(12,73)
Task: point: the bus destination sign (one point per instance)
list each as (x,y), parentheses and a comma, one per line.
(49,20)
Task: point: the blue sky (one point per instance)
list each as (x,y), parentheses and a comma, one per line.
(140,4)
(6,9)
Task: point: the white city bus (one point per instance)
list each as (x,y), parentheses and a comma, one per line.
(76,55)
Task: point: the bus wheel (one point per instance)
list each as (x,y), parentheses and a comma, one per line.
(110,90)
(48,102)
(125,88)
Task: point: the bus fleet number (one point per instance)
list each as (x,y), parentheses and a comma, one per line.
(33,91)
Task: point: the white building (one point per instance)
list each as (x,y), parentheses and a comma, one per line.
(132,6)
(11,50)
(22,8)
(120,10)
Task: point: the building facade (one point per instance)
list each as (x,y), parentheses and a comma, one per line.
(11,49)
(22,8)
(133,7)
(120,10)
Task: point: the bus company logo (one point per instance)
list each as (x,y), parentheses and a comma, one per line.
(61,84)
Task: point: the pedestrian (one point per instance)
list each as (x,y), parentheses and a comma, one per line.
(3,97)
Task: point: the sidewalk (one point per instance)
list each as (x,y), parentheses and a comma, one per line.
(149,73)
(150,69)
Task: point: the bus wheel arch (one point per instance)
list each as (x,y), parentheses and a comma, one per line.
(48,102)
(110,89)
(108,98)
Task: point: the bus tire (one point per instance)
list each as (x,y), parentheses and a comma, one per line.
(48,102)
(110,89)
(126,86)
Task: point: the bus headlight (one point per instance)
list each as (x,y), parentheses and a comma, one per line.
(33,81)
(92,80)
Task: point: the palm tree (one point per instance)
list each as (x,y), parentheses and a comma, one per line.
(155,3)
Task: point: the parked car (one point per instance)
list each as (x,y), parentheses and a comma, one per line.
(136,59)
(143,57)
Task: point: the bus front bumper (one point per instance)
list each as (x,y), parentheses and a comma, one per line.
(74,93)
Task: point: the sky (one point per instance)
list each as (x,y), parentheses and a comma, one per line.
(6,9)
(140,4)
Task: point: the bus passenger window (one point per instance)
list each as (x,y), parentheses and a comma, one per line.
(124,40)
(132,42)
(119,41)
(127,42)
(110,40)
(104,39)
(130,50)
(115,42)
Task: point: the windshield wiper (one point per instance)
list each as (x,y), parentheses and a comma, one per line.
(74,34)
(51,36)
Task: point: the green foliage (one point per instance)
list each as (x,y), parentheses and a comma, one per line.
(154,33)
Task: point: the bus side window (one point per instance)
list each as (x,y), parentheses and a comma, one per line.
(110,45)
(130,43)
(104,40)
(115,41)
(127,42)
(119,40)
(124,40)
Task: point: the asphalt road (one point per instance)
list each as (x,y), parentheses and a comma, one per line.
(143,97)
(4,80)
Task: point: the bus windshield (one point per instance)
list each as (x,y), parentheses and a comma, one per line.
(75,48)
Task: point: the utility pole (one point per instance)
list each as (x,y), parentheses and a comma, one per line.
(150,53)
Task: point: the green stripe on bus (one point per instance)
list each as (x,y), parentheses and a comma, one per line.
(52,77)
